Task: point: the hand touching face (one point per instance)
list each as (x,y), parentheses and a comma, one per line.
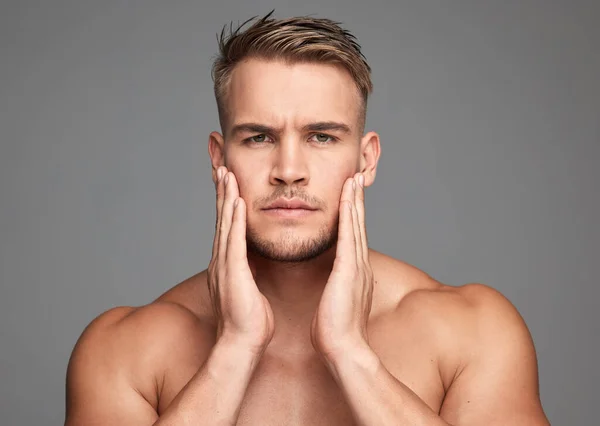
(340,323)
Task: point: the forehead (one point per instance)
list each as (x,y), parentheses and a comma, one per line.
(280,94)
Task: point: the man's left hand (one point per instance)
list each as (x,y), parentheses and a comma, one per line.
(340,323)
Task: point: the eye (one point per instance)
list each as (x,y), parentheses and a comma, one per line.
(257,138)
(322,138)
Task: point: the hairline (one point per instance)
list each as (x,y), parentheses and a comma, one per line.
(288,60)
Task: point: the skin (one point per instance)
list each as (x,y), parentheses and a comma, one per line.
(338,334)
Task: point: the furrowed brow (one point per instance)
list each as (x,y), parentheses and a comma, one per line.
(252,128)
(327,126)
(321,126)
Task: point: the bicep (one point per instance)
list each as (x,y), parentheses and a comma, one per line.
(499,383)
(98,389)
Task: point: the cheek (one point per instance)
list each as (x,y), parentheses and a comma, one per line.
(333,190)
(248,184)
(243,166)
(335,176)
(244,184)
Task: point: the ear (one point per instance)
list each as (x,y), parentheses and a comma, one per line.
(370,150)
(216,150)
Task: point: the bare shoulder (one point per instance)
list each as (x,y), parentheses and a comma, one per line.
(148,325)
(192,294)
(462,302)
(496,380)
(484,351)
(465,321)
(471,317)
(123,352)
(128,336)
(486,356)
(414,291)
(477,313)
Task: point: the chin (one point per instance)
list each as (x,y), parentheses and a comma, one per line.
(290,247)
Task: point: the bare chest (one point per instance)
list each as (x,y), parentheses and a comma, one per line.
(291,392)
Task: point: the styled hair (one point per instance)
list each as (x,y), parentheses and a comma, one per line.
(292,40)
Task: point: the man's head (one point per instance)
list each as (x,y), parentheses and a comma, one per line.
(292,98)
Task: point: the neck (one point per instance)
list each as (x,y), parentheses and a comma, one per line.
(288,282)
(293,291)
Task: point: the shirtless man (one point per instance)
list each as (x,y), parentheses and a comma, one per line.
(296,321)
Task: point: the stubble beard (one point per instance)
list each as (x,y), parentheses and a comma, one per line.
(288,247)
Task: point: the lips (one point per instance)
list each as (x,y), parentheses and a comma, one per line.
(282,203)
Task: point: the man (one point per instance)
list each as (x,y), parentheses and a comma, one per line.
(296,321)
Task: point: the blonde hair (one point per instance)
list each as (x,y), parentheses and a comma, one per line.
(293,40)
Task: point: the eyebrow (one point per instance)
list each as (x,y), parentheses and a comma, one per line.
(321,126)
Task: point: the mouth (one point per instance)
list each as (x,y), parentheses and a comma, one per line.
(289,208)
(292,204)
(288,212)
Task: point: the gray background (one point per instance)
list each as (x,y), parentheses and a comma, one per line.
(489,118)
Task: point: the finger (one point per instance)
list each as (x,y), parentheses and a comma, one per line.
(355,224)
(347,192)
(220,198)
(346,243)
(231,193)
(360,210)
(236,243)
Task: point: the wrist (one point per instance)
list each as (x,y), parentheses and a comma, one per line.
(232,358)
(352,357)
(241,345)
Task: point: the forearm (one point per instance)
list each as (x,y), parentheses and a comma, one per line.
(215,394)
(374,395)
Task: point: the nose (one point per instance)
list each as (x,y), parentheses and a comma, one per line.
(290,166)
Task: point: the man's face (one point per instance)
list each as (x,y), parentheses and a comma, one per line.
(292,134)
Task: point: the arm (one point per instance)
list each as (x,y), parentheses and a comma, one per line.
(103,386)
(339,328)
(375,396)
(498,385)
(98,390)
(215,394)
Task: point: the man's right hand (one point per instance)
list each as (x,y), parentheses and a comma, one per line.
(244,316)
(111,359)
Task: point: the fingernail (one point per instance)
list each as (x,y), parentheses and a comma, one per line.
(353,184)
(219,174)
(361,180)
(226,178)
